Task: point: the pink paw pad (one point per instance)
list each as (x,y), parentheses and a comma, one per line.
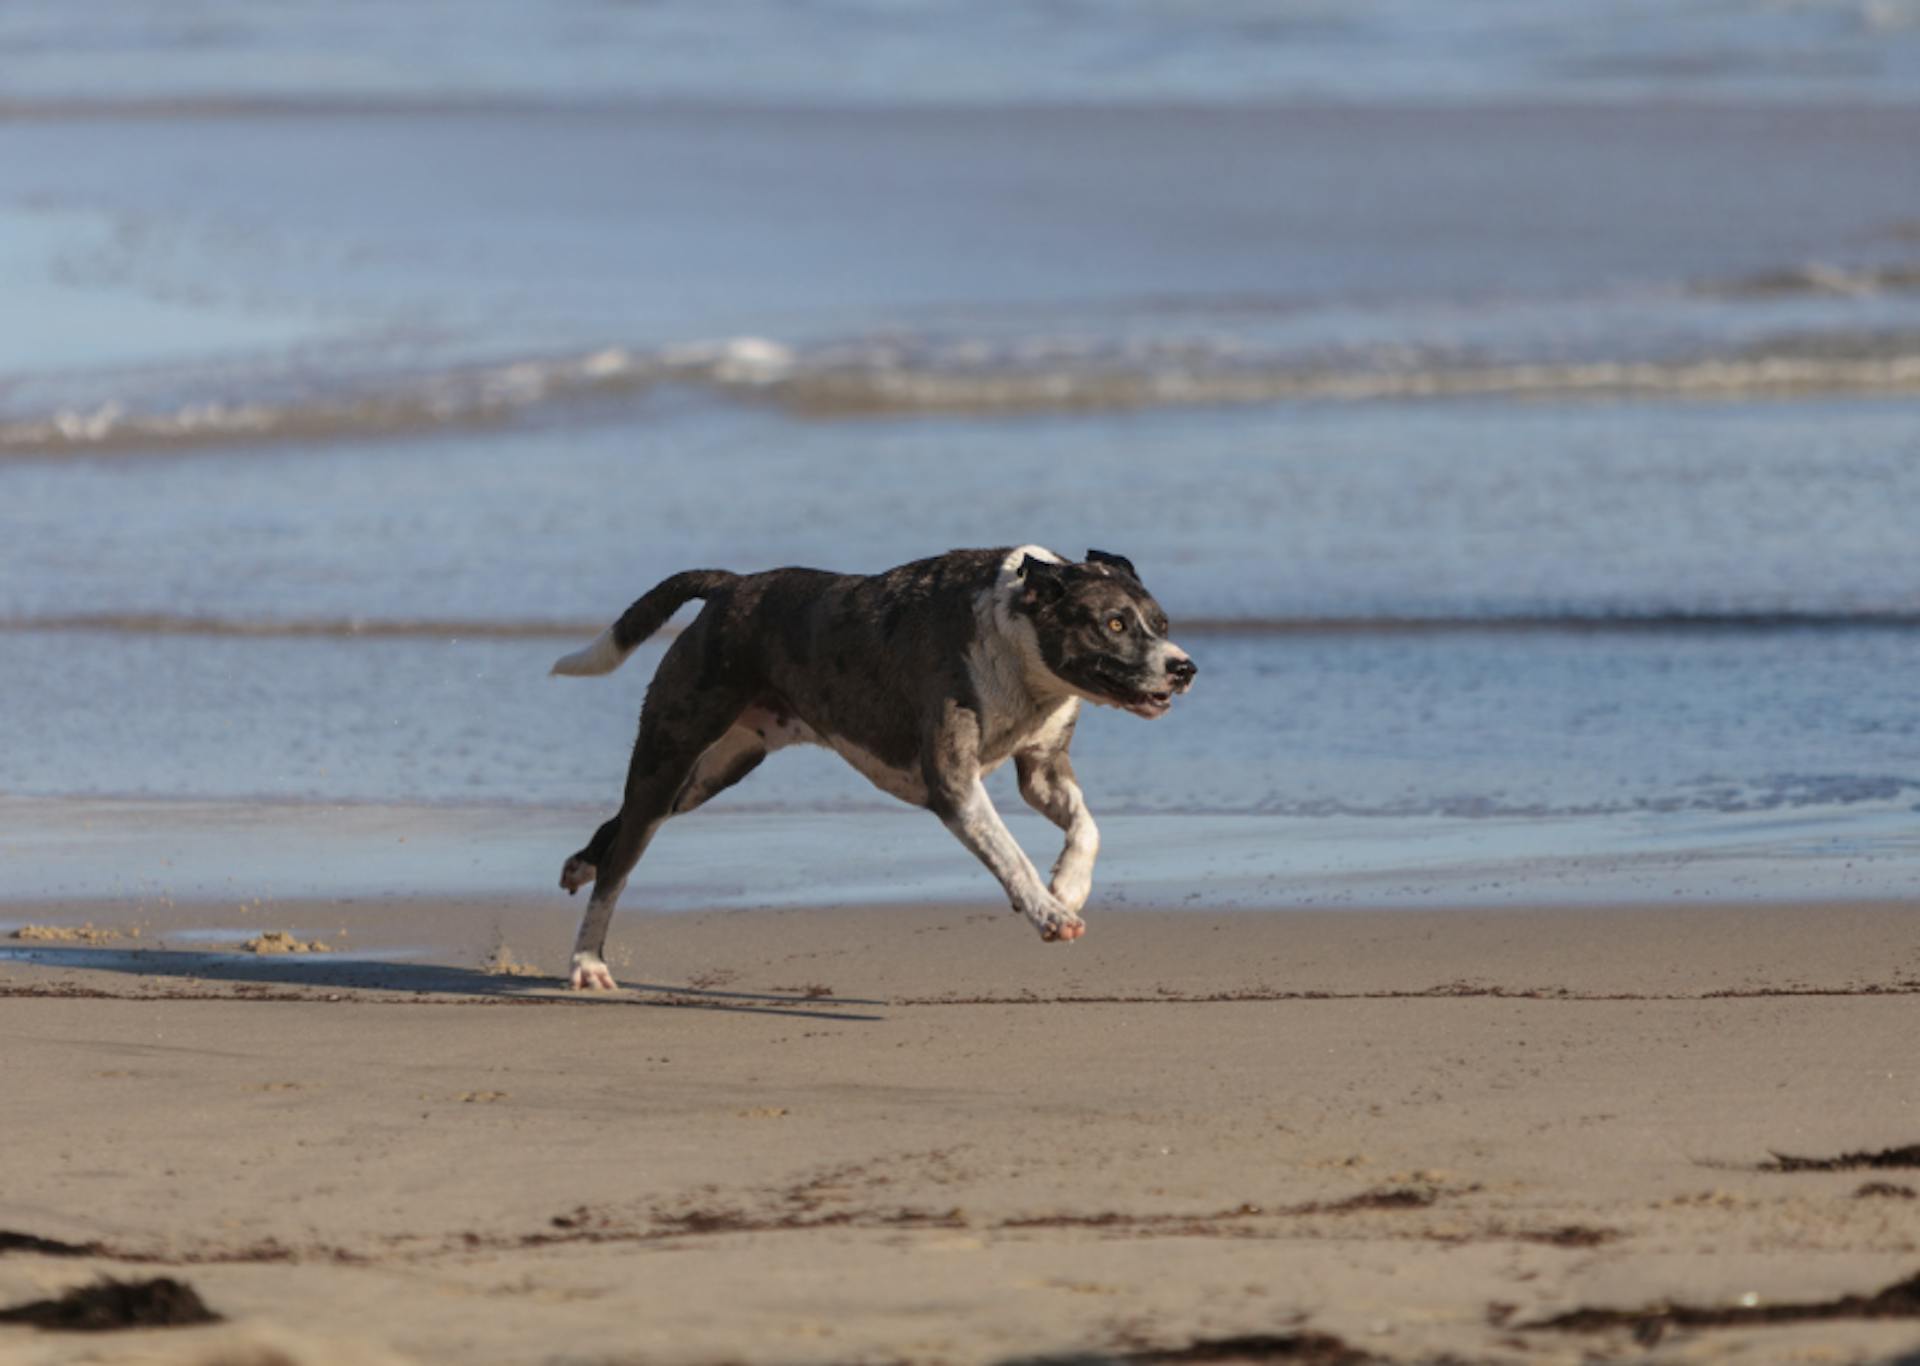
(592,977)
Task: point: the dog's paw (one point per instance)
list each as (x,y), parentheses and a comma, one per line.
(590,974)
(1059,924)
(575,874)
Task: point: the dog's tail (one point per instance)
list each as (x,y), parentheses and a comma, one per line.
(647,615)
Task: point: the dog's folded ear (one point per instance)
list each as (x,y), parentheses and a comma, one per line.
(1043,579)
(1119,562)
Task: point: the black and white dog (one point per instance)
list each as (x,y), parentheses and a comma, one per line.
(925,678)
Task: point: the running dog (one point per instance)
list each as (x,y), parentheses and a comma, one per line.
(924,678)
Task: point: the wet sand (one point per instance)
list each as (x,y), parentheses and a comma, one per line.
(919,1135)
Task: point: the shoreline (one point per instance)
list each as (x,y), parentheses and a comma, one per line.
(151,852)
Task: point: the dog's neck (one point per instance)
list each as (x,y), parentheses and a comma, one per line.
(1019,695)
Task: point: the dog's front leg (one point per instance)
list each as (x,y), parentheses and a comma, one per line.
(1047,782)
(957,796)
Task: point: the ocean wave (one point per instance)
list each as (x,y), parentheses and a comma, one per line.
(1574,620)
(320,104)
(1226,51)
(966,377)
(1815,278)
(1704,797)
(468,397)
(905,390)
(1701,796)
(281,628)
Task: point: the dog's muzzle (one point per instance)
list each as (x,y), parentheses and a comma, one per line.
(1155,702)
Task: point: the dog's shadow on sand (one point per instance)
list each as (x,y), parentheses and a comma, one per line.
(345,972)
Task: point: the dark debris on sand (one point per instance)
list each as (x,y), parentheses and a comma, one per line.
(736,1221)
(1296,1349)
(1568,1235)
(10,1241)
(1886,1158)
(107,1305)
(1386,1198)
(1900,1300)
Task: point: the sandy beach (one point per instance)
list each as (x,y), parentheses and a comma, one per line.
(918,1135)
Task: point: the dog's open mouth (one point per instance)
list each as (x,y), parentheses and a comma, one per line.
(1149,704)
(1127,697)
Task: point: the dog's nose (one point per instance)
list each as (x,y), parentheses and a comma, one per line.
(1181,671)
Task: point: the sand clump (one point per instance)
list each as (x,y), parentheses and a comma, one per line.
(88,933)
(502,963)
(280,941)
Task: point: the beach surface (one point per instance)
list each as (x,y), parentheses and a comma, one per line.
(917,1134)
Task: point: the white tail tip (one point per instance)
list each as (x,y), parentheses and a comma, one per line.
(601,657)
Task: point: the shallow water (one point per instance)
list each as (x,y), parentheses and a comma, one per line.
(1464,724)
(1258,515)
(64,858)
(1348,768)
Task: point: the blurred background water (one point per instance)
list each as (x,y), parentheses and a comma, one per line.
(1518,405)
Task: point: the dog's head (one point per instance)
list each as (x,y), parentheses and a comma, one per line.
(1101,633)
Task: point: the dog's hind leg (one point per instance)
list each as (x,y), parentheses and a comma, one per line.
(756,734)
(581,865)
(727,760)
(684,716)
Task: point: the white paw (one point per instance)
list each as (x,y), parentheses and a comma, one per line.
(590,974)
(1056,922)
(575,874)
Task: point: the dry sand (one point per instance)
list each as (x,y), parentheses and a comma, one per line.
(920,1135)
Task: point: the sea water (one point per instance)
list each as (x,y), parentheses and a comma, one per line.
(1515,413)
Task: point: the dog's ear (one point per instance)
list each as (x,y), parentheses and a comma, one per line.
(1119,562)
(1045,581)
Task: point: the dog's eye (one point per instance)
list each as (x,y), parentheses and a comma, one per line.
(1116,624)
